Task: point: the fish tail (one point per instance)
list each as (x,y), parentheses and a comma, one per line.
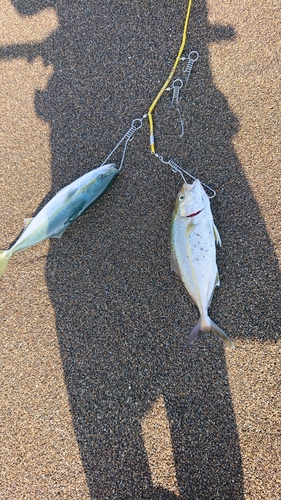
(195,333)
(5,256)
(221,334)
(199,330)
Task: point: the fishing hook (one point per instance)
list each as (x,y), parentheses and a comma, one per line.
(177,169)
(176,86)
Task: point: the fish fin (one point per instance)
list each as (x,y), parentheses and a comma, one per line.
(195,333)
(174,265)
(221,334)
(71,193)
(5,256)
(59,233)
(198,330)
(217,235)
(80,208)
(26,222)
(217,283)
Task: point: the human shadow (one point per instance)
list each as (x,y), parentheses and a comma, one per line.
(122,318)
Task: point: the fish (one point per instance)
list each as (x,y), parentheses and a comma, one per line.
(193,254)
(63,209)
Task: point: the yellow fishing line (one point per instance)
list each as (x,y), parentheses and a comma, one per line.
(149,114)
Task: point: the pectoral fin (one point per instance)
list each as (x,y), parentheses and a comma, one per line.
(61,226)
(70,193)
(77,211)
(174,265)
(217,236)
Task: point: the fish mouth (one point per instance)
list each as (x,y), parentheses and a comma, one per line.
(195,213)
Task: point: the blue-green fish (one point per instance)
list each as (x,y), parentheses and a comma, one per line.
(193,254)
(55,217)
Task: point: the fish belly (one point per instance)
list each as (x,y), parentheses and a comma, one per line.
(49,223)
(194,247)
(36,232)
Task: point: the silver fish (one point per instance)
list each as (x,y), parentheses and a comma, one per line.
(68,204)
(193,254)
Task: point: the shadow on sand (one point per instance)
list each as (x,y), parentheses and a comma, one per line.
(121,315)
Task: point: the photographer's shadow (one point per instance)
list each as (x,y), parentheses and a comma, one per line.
(121,316)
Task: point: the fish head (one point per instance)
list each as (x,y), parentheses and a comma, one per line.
(191,199)
(106,172)
(103,177)
(97,181)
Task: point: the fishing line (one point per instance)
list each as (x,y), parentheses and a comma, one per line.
(176,86)
(134,127)
(162,90)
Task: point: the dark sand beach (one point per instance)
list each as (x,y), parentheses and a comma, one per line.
(100,398)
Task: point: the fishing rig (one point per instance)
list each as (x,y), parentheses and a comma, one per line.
(176,86)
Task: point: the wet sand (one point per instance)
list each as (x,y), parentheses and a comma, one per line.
(100,399)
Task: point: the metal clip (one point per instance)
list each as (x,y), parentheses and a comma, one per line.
(136,125)
(177,169)
(176,86)
(192,58)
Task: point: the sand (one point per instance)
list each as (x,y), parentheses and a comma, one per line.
(100,398)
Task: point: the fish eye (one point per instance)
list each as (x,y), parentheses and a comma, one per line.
(102,176)
(181,197)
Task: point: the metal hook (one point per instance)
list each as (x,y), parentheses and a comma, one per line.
(177,169)
(176,86)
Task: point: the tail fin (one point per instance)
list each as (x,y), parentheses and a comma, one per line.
(5,256)
(199,330)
